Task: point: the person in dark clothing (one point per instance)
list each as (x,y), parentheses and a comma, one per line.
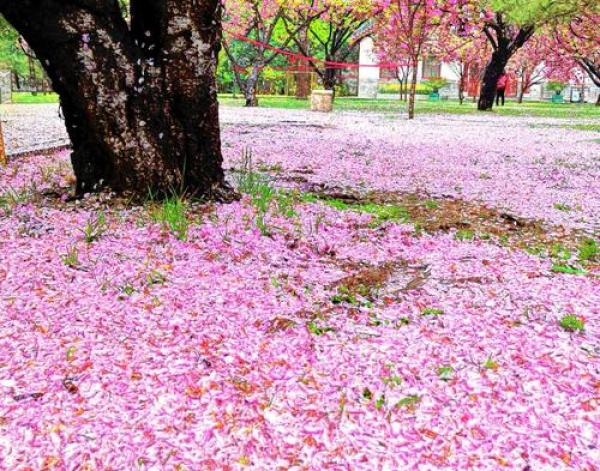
(501,88)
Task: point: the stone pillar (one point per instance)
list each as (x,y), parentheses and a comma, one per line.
(322,100)
(368,77)
(5,86)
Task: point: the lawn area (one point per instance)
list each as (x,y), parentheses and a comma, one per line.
(26,98)
(384,295)
(534,109)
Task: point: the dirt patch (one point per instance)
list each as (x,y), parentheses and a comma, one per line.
(468,219)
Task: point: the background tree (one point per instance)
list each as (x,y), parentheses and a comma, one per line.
(13,57)
(334,34)
(529,64)
(579,41)
(404,33)
(139,98)
(465,50)
(508,25)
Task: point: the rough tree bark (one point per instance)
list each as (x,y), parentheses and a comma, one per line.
(139,102)
(505,42)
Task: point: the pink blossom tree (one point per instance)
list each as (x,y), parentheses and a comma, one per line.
(465,50)
(404,33)
(578,41)
(334,30)
(259,24)
(529,64)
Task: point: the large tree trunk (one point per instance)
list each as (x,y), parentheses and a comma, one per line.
(140,104)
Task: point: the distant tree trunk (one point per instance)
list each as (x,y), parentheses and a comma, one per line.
(17,80)
(250,91)
(303,77)
(490,79)
(140,103)
(461,84)
(330,79)
(522,90)
(593,70)
(32,76)
(413,91)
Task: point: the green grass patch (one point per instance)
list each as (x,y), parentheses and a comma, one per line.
(464,234)
(563,207)
(27,98)
(314,329)
(588,250)
(172,213)
(432,311)
(567,269)
(381,212)
(445,373)
(512,108)
(409,401)
(572,323)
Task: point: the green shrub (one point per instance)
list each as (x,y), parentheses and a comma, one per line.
(434,85)
(556,86)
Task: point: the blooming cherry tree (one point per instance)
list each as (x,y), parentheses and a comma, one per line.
(405,32)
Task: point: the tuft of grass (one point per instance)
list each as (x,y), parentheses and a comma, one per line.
(12,198)
(127,289)
(560,251)
(432,204)
(263,194)
(409,401)
(572,323)
(28,98)
(95,228)
(155,278)
(563,207)
(567,269)
(464,234)
(172,213)
(445,373)
(432,311)
(349,296)
(71,258)
(491,364)
(588,250)
(314,329)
